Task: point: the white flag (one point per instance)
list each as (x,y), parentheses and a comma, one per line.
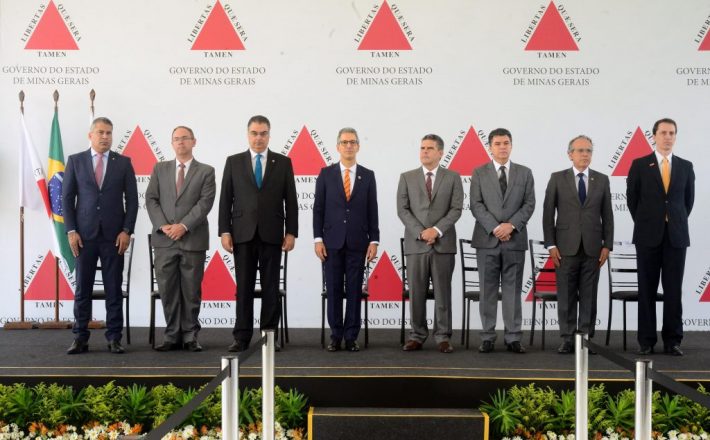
(33,181)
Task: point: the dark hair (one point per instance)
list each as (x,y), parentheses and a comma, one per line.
(100,120)
(186,128)
(258,119)
(499,132)
(664,121)
(436,138)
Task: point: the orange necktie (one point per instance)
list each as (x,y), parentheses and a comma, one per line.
(346,184)
(666,174)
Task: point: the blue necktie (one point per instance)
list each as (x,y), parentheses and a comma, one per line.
(257,171)
(582,188)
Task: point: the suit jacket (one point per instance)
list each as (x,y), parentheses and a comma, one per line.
(591,224)
(113,207)
(650,205)
(491,208)
(344,223)
(243,206)
(190,207)
(418,213)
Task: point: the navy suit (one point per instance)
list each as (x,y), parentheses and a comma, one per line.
(98,215)
(347,228)
(661,238)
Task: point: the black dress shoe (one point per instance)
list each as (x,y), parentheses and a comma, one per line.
(645,350)
(486,347)
(238,346)
(115,347)
(193,346)
(333,347)
(515,347)
(78,347)
(168,346)
(566,348)
(352,346)
(674,350)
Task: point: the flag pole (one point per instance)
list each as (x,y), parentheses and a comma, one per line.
(21,324)
(56,324)
(92,96)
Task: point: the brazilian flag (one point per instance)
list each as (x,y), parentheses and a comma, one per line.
(54,184)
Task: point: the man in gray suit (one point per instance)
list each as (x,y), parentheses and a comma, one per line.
(179,197)
(502,201)
(579,239)
(429,202)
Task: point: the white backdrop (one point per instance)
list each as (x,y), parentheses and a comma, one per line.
(394,71)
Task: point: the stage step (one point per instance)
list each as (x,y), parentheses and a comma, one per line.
(396,423)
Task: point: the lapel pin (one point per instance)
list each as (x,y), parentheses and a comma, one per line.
(359,177)
(652,164)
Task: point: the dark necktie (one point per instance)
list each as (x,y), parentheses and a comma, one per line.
(503,181)
(428,184)
(582,188)
(257,171)
(180,178)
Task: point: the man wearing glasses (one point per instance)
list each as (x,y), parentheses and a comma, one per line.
(179,196)
(258,219)
(578,225)
(346,232)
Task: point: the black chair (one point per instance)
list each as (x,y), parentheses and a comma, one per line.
(405,290)
(154,294)
(99,293)
(365,296)
(544,288)
(283,273)
(470,286)
(623,281)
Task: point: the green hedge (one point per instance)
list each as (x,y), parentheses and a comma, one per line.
(528,411)
(54,405)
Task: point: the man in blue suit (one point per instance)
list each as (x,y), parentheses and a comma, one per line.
(100,203)
(346,232)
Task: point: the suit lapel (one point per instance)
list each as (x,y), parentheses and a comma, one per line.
(571,182)
(110,167)
(656,171)
(248,170)
(512,175)
(269,164)
(421,184)
(357,183)
(194,167)
(440,175)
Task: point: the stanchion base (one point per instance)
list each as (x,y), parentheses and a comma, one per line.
(97,324)
(20,325)
(55,325)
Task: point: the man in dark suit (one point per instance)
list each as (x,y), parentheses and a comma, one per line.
(660,191)
(100,202)
(578,225)
(257,201)
(179,197)
(346,232)
(429,203)
(502,201)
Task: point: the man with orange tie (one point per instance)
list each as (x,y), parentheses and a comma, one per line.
(660,193)
(346,233)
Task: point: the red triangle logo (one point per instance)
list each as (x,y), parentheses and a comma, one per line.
(384,33)
(142,156)
(43,284)
(218,32)
(545,280)
(218,283)
(551,33)
(705,297)
(305,157)
(384,283)
(470,155)
(51,32)
(705,45)
(638,147)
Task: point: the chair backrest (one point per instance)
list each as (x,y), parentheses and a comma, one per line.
(126,284)
(469,266)
(403,270)
(621,267)
(544,278)
(283,273)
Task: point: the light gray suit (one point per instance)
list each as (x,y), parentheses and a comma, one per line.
(501,264)
(179,265)
(579,232)
(435,262)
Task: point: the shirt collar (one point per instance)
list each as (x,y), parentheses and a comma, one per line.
(343,168)
(497,165)
(576,172)
(187,164)
(254,153)
(659,157)
(433,172)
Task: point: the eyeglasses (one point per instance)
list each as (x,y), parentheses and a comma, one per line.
(182,138)
(346,143)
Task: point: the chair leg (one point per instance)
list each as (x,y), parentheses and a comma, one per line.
(608,326)
(282,322)
(367,324)
(463,320)
(624,325)
(401,331)
(151,329)
(322,322)
(285,313)
(128,320)
(468,322)
(544,312)
(532,325)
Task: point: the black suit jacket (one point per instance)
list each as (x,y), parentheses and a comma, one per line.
(114,206)
(243,206)
(650,205)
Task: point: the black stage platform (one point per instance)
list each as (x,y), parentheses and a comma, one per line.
(380,375)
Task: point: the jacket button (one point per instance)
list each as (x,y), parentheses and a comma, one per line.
(345,221)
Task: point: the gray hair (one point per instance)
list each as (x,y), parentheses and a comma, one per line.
(348,130)
(581,136)
(100,120)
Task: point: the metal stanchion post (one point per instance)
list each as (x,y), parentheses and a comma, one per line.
(267,384)
(644,387)
(581,358)
(230,399)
